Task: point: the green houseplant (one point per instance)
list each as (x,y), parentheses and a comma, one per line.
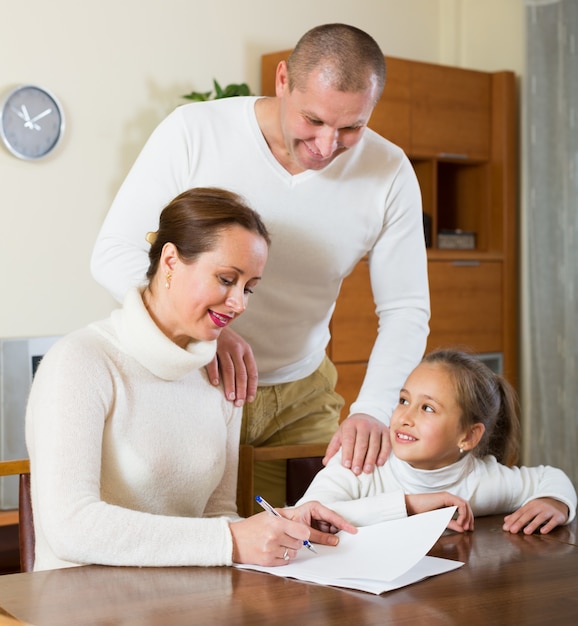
(233,89)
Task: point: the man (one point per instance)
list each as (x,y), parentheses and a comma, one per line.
(330,191)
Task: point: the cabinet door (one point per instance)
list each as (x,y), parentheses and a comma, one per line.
(349,380)
(269,63)
(391,117)
(466,305)
(354,323)
(450,113)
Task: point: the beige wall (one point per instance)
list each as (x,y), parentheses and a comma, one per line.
(119,66)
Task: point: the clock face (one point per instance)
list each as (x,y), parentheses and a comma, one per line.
(31,122)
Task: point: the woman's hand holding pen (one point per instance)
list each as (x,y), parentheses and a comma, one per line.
(323,522)
(266,539)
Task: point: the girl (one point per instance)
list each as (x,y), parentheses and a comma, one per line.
(455,426)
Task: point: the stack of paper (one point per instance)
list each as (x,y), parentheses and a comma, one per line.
(379,558)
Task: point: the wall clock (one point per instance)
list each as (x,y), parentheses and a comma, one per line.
(31,122)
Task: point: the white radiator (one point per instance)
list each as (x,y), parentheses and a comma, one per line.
(19,359)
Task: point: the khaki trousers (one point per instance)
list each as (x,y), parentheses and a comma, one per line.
(304,411)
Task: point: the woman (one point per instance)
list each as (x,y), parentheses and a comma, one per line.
(133,452)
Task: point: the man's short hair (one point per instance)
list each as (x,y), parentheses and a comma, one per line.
(349,57)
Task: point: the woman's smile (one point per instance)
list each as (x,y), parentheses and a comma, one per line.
(220,319)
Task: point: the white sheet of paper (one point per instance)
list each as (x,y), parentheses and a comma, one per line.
(426,567)
(378,558)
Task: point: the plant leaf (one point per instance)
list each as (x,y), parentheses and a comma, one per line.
(233,89)
(198,96)
(218,90)
(244,90)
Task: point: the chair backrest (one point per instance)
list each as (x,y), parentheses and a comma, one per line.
(303,462)
(300,473)
(21,467)
(26,525)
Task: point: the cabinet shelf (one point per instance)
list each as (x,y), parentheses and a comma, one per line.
(467,256)
(456,197)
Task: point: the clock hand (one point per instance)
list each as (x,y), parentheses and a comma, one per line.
(41,115)
(31,123)
(19,113)
(25,113)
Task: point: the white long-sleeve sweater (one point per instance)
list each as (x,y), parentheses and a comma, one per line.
(489,486)
(321,222)
(133,452)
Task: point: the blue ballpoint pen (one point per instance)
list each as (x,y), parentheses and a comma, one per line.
(269,508)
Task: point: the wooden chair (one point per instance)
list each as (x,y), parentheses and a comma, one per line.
(303,462)
(21,467)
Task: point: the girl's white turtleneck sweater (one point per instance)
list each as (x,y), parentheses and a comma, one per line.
(489,486)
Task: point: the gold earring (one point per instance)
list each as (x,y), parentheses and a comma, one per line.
(168,277)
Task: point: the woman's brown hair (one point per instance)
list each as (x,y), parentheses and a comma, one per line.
(194,220)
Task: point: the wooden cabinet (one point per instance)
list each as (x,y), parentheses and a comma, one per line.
(356,325)
(353,331)
(451,113)
(392,115)
(435,110)
(459,129)
(466,304)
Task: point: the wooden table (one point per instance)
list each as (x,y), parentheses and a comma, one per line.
(507,579)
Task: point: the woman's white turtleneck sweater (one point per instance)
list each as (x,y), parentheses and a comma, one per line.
(489,487)
(133,452)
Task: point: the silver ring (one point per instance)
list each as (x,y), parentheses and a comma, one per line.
(286,554)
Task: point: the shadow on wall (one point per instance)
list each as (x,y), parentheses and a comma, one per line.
(138,128)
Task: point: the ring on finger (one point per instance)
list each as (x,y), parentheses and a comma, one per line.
(286,554)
